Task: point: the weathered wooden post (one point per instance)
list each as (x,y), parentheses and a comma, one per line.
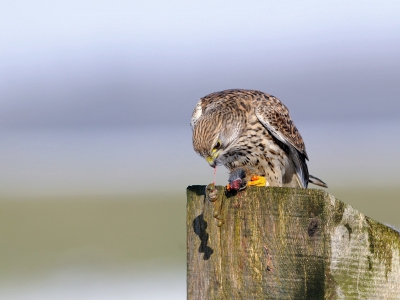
(282,243)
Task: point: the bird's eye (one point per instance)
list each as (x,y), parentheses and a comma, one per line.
(217,145)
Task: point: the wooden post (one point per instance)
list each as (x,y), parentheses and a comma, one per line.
(283,243)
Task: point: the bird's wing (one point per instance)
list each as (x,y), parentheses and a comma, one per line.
(274,115)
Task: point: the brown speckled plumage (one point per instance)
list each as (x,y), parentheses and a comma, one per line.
(251,130)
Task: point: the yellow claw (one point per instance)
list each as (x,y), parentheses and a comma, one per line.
(257,181)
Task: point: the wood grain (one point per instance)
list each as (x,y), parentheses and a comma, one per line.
(283,243)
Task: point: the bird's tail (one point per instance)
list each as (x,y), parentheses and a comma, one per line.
(314,180)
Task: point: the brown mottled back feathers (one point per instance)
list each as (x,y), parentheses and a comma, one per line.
(273,114)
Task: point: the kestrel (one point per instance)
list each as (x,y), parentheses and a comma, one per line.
(253,136)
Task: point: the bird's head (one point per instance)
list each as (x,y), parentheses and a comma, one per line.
(213,137)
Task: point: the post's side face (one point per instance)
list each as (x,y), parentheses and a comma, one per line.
(363,255)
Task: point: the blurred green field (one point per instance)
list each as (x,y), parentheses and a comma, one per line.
(379,203)
(39,235)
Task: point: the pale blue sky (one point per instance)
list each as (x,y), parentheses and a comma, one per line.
(131,63)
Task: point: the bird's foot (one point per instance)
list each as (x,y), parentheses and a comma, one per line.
(257,181)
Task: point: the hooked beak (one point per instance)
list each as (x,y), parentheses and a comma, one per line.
(211,161)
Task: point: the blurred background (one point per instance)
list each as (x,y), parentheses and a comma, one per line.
(95,105)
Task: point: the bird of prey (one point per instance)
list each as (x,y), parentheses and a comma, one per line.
(253,136)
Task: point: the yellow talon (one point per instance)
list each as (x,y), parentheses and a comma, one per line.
(257,181)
